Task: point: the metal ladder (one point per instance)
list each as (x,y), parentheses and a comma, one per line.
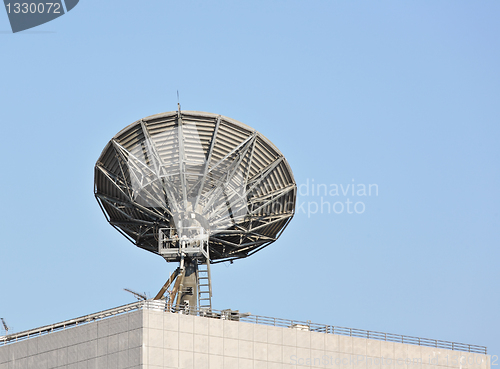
(204,286)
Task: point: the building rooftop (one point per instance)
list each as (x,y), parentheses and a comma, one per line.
(248,318)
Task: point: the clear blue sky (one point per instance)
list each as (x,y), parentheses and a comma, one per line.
(401,94)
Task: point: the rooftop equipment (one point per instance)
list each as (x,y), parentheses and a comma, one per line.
(196,188)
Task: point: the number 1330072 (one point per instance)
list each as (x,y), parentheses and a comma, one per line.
(33,8)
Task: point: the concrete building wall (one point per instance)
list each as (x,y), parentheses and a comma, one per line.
(153,339)
(183,341)
(114,342)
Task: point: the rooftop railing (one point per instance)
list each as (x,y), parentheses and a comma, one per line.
(248,318)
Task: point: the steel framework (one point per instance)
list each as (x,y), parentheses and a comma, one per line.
(182,169)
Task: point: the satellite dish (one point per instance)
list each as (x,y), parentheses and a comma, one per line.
(196,188)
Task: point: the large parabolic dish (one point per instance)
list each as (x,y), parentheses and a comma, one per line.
(196,169)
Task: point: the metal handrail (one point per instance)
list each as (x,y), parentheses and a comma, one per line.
(15,337)
(255,319)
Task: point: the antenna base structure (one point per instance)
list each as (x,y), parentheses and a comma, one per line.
(188,245)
